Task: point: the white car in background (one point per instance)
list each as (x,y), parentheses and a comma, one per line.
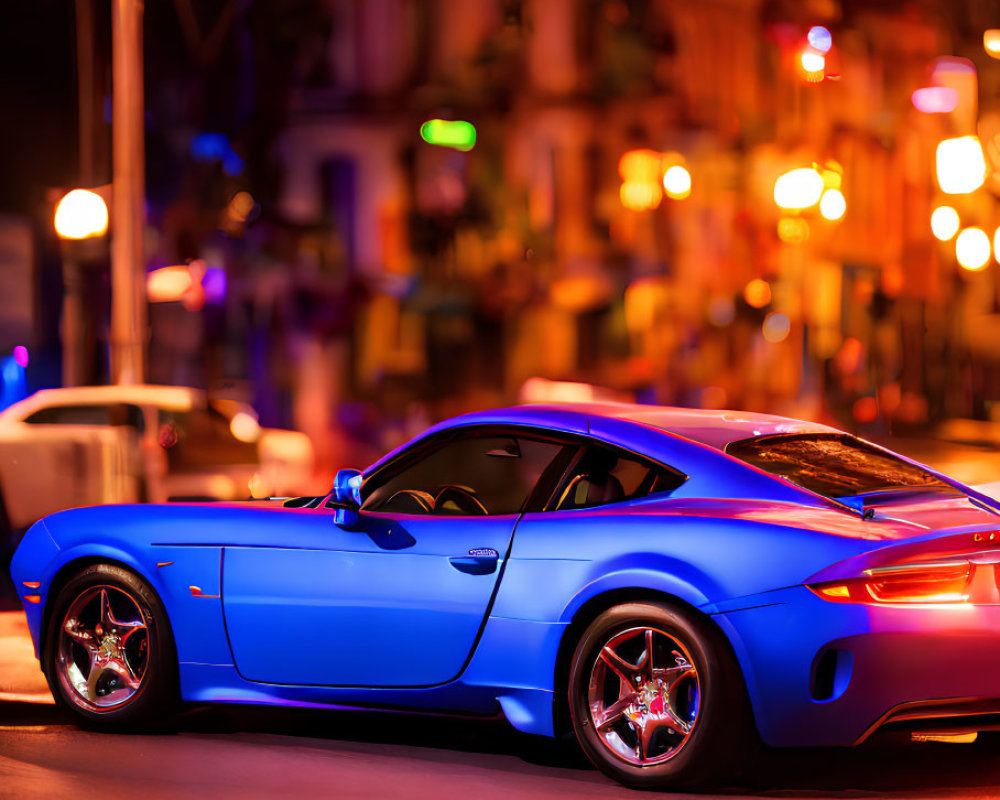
(89,445)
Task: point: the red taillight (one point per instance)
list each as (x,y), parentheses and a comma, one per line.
(939,582)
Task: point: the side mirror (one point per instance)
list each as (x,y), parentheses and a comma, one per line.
(347,494)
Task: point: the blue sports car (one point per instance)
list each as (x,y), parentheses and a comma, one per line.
(670,585)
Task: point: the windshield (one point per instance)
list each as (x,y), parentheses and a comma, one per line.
(834,464)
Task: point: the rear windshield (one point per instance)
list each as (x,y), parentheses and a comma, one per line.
(833,465)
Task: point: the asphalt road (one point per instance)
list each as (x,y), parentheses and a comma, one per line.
(246,752)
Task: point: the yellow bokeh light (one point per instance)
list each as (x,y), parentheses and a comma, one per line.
(832,205)
(776,327)
(81,214)
(961,165)
(972,249)
(640,195)
(640,166)
(991,42)
(793,230)
(677,182)
(996,244)
(944,223)
(757,293)
(832,178)
(168,284)
(244,426)
(798,189)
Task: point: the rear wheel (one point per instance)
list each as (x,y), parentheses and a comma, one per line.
(109,651)
(656,699)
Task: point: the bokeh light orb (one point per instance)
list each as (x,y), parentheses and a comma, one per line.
(820,38)
(244,426)
(961,165)
(81,214)
(991,42)
(640,195)
(944,223)
(677,182)
(757,293)
(20,354)
(776,327)
(865,409)
(833,205)
(798,188)
(811,61)
(972,249)
(793,230)
(935,99)
(721,311)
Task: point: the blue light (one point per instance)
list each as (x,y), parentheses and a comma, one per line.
(210,146)
(232,164)
(13,386)
(217,147)
(820,38)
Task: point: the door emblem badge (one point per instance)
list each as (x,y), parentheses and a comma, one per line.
(484,552)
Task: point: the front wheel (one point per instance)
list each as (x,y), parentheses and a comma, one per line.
(109,652)
(656,699)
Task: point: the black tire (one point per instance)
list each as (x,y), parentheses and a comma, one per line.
(700,685)
(124,677)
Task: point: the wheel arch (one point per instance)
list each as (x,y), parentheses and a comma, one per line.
(74,566)
(596,605)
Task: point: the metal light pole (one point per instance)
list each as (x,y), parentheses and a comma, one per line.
(128,304)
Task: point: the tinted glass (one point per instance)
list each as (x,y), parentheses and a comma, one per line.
(469,477)
(116,414)
(833,465)
(604,475)
(201,438)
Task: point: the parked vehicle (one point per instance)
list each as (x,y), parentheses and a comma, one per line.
(670,585)
(87,445)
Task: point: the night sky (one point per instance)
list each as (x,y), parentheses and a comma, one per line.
(38,97)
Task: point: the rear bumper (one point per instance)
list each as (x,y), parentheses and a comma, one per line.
(822,673)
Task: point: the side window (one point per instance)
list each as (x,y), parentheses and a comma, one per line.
(474,476)
(605,475)
(200,438)
(113,414)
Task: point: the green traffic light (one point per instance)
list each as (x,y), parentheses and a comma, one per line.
(457,133)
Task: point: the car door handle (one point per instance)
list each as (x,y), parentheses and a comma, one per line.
(479,561)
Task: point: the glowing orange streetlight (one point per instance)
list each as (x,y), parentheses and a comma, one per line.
(81,214)
(81,218)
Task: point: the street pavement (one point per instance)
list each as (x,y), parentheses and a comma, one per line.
(258,752)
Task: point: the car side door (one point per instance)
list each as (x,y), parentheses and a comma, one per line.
(399,598)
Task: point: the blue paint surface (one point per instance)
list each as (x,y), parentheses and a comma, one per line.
(413,611)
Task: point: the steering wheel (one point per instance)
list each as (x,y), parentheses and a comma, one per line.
(409,501)
(458,499)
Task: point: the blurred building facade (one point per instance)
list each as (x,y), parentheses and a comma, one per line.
(363,267)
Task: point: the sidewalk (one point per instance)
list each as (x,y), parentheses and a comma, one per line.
(21,678)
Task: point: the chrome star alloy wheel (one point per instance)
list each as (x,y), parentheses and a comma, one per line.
(643,696)
(103,649)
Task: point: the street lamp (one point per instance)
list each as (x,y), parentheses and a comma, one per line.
(81,218)
(81,214)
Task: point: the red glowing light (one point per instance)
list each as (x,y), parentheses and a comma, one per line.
(940,582)
(865,409)
(935,99)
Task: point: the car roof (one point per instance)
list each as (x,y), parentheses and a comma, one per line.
(712,428)
(175,398)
